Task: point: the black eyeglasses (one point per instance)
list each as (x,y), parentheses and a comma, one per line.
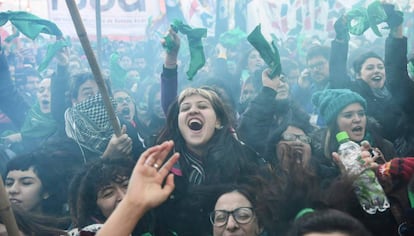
(242,215)
(293,137)
(123,99)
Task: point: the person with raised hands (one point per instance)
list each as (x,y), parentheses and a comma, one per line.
(150,185)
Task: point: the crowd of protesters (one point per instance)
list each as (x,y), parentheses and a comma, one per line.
(233,151)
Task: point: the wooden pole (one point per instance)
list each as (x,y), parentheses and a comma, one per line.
(6,212)
(93,63)
(98,31)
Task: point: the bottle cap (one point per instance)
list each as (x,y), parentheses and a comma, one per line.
(341,136)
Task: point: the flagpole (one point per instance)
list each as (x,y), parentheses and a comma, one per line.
(83,37)
(98,30)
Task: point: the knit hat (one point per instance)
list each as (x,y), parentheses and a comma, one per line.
(330,102)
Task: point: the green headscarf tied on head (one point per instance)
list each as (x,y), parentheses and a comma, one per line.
(268,52)
(195,44)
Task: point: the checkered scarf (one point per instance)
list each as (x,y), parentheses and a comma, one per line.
(88,124)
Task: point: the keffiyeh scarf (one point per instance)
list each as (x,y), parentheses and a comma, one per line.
(89,125)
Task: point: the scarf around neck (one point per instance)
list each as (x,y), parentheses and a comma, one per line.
(89,125)
(38,124)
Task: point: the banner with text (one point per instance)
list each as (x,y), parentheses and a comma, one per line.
(118,17)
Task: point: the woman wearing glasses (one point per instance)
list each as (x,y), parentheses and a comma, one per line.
(234,213)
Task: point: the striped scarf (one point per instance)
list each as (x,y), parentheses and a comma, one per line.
(195,167)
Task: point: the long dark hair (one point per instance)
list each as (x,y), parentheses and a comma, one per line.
(226,157)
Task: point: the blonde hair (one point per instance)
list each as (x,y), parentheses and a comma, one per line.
(207,94)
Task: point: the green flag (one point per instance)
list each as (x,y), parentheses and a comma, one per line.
(376,15)
(29,24)
(194,36)
(357,20)
(52,49)
(268,52)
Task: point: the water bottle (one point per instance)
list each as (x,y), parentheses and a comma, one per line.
(368,190)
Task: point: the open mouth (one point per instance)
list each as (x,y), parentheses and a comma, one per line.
(45,102)
(195,124)
(125,111)
(357,129)
(376,78)
(297,154)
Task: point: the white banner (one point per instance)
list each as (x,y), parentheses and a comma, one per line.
(118,17)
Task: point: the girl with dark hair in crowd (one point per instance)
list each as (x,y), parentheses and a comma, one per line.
(201,127)
(344,110)
(383,83)
(36,182)
(96,191)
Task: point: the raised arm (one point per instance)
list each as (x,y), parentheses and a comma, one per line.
(169,71)
(11,102)
(399,82)
(150,185)
(59,86)
(259,115)
(339,56)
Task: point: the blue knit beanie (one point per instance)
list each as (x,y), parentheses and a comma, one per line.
(330,102)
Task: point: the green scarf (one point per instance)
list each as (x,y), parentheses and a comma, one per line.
(194,36)
(29,24)
(269,53)
(360,19)
(38,124)
(52,49)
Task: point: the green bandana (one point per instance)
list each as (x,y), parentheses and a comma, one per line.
(194,36)
(29,24)
(360,19)
(376,15)
(52,49)
(267,51)
(357,21)
(38,124)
